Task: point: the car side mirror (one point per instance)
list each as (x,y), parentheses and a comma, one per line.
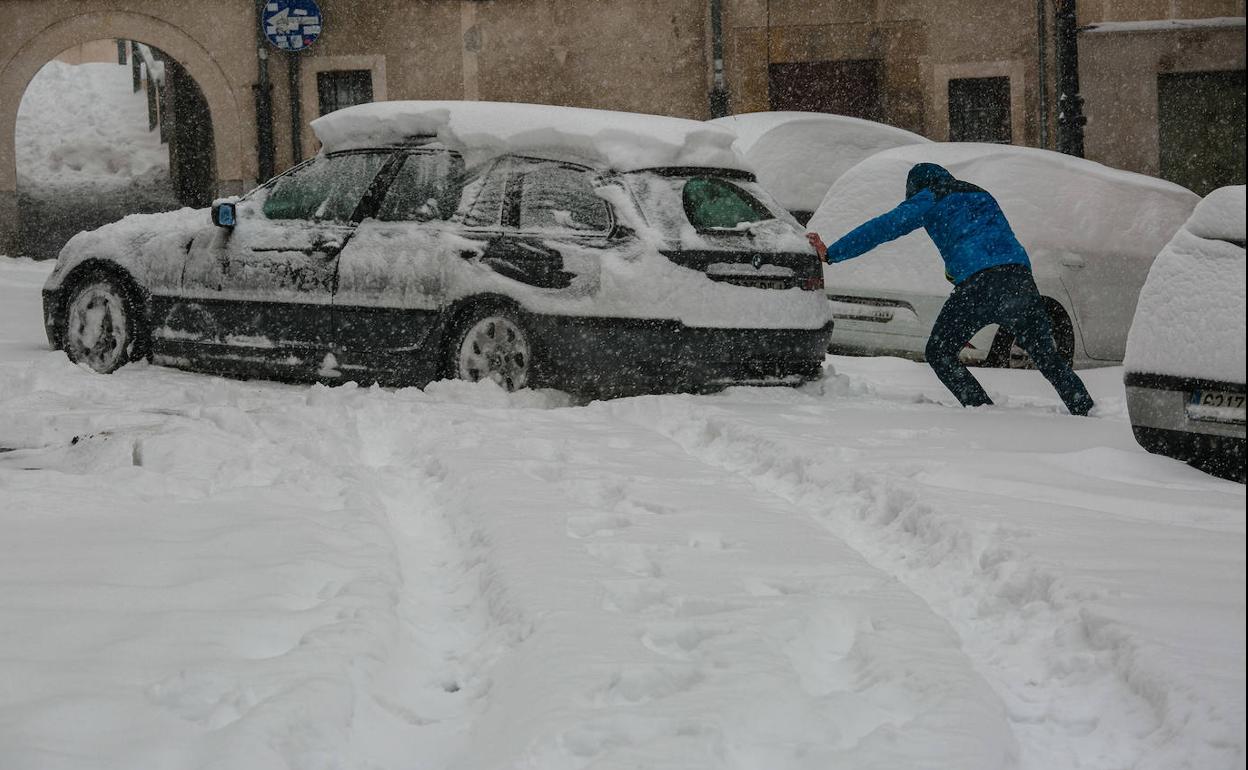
(224,214)
(621,232)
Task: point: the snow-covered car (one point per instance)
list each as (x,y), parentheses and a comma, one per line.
(1186,350)
(799,155)
(527,244)
(1090,231)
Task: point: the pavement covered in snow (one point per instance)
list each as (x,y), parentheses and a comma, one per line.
(203,573)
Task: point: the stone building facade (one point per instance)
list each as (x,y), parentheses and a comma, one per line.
(966,70)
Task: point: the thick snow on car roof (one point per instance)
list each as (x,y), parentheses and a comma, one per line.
(799,155)
(619,140)
(1056,204)
(1190,318)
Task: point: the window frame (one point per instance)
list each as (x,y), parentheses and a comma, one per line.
(515,167)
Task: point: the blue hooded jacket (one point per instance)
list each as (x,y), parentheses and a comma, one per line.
(964,221)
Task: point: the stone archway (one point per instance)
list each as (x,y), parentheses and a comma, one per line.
(233,166)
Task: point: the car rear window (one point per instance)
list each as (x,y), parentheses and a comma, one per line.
(717,204)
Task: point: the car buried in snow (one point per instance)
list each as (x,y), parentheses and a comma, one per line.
(1090,231)
(534,246)
(1184,368)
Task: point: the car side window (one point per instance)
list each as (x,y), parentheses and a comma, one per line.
(554,196)
(426,188)
(483,196)
(327,189)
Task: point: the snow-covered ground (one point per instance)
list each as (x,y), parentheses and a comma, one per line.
(202,573)
(85,156)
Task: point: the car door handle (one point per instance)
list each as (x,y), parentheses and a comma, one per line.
(1073,261)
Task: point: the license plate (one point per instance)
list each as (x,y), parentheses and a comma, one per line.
(1216,406)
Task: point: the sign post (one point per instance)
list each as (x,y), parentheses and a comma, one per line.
(292,26)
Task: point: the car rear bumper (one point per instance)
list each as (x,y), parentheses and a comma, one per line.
(621,355)
(1157,406)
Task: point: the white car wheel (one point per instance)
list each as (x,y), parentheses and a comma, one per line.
(494,346)
(99,330)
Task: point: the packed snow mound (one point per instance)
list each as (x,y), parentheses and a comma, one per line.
(1190,318)
(482,130)
(1220,216)
(799,155)
(1056,204)
(82,125)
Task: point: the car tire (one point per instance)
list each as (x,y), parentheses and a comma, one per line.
(492,342)
(1005,354)
(104,324)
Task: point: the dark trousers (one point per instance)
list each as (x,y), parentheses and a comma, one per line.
(1005,295)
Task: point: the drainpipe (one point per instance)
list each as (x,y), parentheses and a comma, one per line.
(1042,62)
(1070,118)
(293,71)
(719,89)
(263,92)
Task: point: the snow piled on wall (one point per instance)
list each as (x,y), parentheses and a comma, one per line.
(618,140)
(82,125)
(1190,319)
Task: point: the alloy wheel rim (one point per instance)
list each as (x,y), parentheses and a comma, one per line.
(97,328)
(496,349)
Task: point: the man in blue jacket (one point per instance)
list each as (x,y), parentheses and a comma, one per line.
(991,276)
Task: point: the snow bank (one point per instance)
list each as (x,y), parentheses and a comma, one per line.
(82,124)
(618,140)
(1190,318)
(1056,204)
(799,155)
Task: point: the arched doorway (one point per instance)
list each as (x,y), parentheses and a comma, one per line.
(108,129)
(208,93)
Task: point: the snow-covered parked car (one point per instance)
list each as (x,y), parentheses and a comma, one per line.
(527,244)
(1090,231)
(1186,351)
(799,155)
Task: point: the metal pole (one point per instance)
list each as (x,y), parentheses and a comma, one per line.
(1070,118)
(1042,62)
(263,92)
(719,88)
(293,62)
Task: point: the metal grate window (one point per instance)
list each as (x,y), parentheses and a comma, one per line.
(979,110)
(336,89)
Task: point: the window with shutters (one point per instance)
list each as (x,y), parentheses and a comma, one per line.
(336,89)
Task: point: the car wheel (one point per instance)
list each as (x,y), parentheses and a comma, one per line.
(102,328)
(1006,353)
(492,344)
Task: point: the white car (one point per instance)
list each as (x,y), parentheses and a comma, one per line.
(1090,231)
(1186,352)
(593,251)
(799,155)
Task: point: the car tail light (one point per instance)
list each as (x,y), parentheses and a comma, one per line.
(813,284)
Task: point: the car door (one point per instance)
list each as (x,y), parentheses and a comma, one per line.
(1104,288)
(391,277)
(262,290)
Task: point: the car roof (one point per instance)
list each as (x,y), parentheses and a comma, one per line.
(619,141)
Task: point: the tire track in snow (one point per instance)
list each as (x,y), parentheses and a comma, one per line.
(1076,696)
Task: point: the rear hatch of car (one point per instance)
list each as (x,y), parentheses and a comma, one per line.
(722,223)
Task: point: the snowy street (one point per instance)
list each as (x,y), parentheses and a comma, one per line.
(197,572)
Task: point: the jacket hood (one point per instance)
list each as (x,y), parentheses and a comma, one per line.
(929,176)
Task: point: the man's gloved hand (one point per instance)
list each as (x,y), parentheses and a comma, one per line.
(819,246)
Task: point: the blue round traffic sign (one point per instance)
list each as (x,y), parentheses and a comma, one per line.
(291,25)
